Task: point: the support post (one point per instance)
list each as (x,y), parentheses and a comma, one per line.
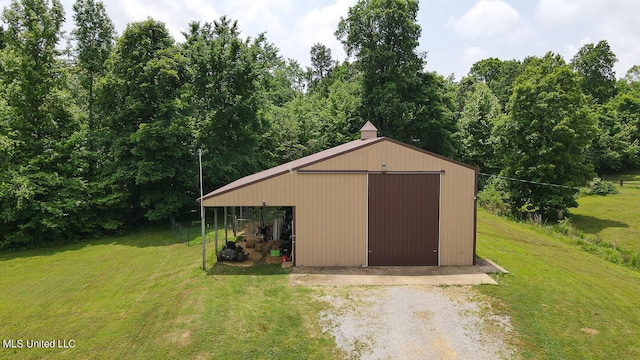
(204,243)
(226,216)
(235,221)
(215,226)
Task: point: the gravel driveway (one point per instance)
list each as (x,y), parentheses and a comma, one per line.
(414,322)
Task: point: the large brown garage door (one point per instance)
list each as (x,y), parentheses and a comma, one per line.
(403,219)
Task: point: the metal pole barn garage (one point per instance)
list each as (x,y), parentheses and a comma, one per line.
(371,201)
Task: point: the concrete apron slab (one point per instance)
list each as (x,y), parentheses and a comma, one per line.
(390,275)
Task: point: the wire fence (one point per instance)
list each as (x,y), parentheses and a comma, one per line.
(191,234)
(628,180)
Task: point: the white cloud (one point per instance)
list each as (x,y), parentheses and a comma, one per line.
(473,54)
(175,14)
(465,33)
(255,17)
(616,21)
(491,18)
(319,25)
(470,56)
(568,11)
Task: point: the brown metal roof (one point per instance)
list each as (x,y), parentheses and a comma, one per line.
(293,165)
(315,158)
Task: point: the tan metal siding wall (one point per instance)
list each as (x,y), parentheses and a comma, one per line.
(396,157)
(330,214)
(331,225)
(458,190)
(457,216)
(277,191)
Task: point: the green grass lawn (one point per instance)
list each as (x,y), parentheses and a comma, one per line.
(613,218)
(143,296)
(556,289)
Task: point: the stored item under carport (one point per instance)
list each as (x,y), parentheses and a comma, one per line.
(231,251)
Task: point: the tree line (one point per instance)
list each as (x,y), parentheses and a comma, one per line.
(103,135)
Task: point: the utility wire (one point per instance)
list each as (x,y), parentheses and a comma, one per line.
(540,183)
(532,182)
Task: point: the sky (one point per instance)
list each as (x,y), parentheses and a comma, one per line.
(455,34)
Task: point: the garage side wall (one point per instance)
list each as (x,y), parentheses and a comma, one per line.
(330,213)
(457,201)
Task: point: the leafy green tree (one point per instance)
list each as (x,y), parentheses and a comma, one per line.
(341,121)
(397,96)
(94,35)
(460,92)
(595,64)
(383,36)
(616,148)
(315,121)
(499,75)
(2,41)
(545,135)
(633,74)
(227,74)
(41,188)
(94,40)
(431,123)
(152,164)
(627,106)
(481,113)
(286,80)
(321,61)
(295,128)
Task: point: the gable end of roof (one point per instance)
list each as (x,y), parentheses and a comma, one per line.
(317,158)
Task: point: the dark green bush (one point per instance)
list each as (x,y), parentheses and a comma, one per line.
(493,197)
(602,187)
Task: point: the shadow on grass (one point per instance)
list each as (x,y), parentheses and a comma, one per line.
(593,225)
(153,237)
(271,269)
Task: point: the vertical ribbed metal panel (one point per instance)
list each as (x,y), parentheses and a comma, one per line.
(404,219)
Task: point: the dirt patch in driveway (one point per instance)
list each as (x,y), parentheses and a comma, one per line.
(414,322)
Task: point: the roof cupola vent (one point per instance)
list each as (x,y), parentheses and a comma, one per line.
(368,131)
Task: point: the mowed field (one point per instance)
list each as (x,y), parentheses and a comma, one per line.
(566,303)
(613,218)
(144,297)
